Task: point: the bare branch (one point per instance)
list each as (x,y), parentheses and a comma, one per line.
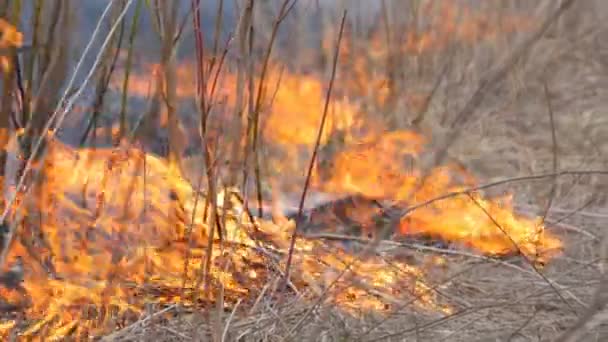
(316,148)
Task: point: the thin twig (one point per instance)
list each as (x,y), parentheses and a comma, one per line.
(125,86)
(517,331)
(316,148)
(253,122)
(497,183)
(554,147)
(418,247)
(137,324)
(524,256)
(225,333)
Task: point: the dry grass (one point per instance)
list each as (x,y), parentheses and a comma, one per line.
(494,301)
(509,134)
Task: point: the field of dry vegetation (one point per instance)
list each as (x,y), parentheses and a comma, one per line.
(304,170)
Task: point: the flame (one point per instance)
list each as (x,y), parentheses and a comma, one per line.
(385,167)
(102,238)
(289,98)
(108,231)
(445,24)
(300,98)
(10,38)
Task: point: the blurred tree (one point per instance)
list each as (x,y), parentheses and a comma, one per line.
(10,40)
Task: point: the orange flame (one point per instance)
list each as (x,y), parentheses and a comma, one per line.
(372,168)
(110,237)
(10,38)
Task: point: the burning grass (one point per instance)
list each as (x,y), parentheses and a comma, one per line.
(113,229)
(108,235)
(113,238)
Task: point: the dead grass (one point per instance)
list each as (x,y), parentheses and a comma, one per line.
(494,301)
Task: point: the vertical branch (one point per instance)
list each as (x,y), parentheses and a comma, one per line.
(5,113)
(236,124)
(253,121)
(200,74)
(204,108)
(124,126)
(107,67)
(47,52)
(246,48)
(316,148)
(9,41)
(390,63)
(53,64)
(170,83)
(29,66)
(218,29)
(554,152)
(18,95)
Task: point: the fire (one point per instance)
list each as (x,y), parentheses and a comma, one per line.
(385,167)
(300,98)
(107,232)
(289,98)
(10,38)
(110,230)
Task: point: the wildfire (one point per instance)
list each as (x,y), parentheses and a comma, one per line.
(111,230)
(108,231)
(385,167)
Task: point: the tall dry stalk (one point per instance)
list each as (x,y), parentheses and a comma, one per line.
(124,125)
(204,100)
(6,111)
(31,60)
(253,128)
(52,63)
(106,70)
(316,148)
(169,15)
(204,107)
(236,123)
(52,70)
